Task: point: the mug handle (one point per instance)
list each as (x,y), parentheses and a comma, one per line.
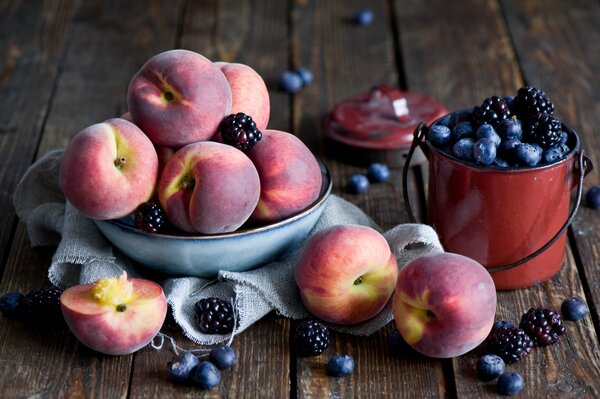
(584,165)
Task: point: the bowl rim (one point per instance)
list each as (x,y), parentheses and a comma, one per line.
(324,193)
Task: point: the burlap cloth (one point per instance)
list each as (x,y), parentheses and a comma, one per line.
(83,255)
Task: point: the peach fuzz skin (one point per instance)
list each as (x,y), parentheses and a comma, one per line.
(249,92)
(209,187)
(106,330)
(179,97)
(346,274)
(444,304)
(289,174)
(108,169)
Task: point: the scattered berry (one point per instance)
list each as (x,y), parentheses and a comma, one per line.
(180,369)
(214,316)
(463,149)
(510,384)
(240,131)
(378,173)
(543,129)
(306,75)
(223,357)
(490,367)
(530,101)
(492,111)
(439,135)
(207,375)
(42,305)
(290,82)
(542,325)
(358,184)
(502,323)
(397,345)
(340,365)
(364,17)
(10,303)
(484,151)
(574,308)
(511,344)
(149,217)
(311,338)
(592,197)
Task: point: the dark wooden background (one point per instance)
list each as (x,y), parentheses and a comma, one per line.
(65,64)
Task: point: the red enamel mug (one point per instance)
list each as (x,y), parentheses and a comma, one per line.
(511,220)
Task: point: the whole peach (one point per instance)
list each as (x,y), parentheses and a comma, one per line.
(249,92)
(115,315)
(290,176)
(209,187)
(108,169)
(346,274)
(179,97)
(444,304)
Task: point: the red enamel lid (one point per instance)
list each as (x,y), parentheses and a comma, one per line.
(382,119)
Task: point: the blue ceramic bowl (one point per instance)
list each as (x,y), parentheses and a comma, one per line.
(205,255)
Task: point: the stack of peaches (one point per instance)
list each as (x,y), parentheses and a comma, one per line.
(168,148)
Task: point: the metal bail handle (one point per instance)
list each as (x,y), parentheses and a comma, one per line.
(584,164)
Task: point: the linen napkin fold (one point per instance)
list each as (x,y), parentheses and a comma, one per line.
(84,255)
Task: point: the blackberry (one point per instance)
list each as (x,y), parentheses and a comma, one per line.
(214,316)
(492,111)
(543,129)
(149,217)
(311,338)
(530,101)
(510,343)
(239,130)
(42,305)
(544,326)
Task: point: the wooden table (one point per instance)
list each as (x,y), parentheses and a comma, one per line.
(66,64)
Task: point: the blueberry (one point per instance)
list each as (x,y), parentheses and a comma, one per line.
(397,345)
(484,151)
(364,17)
(502,323)
(592,197)
(439,135)
(564,149)
(378,172)
(509,100)
(490,367)
(528,154)
(564,136)
(306,75)
(10,303)
(180,369)
(501,163)
(574,308)
(510,129)
(444,120)
(223,357)
(340,365)
(460,116)
(552,155)
(462,130)
(290,82)
(207,375)
(463,149)
(507,148)
(486,131)
(510,384)
(358,184)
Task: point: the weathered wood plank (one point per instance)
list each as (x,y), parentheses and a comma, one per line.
(107,42)
(347,59)
(252,33)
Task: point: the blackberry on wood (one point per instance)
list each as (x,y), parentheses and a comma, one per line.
(42,304)
(544,326)
(240,131)
(510,343)
(311,338)
(214,316)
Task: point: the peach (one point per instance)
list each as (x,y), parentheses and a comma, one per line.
(209,187)
(290,176)
(249,92)
(179,97)
(115,315)
(346,274)
(444,304)
(108,169)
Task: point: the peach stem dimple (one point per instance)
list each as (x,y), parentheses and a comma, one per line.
(120,162)
(187,183)
(358,281)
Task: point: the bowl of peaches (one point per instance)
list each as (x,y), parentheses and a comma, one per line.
(191,181)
